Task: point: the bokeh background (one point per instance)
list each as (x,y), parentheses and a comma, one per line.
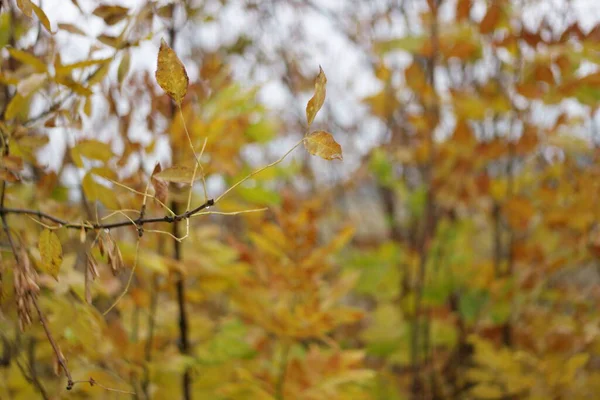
(452,254)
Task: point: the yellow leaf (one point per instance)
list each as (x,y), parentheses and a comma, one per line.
(99,74)
(111,14)
(42,17)
(486,391)
(95,150)
(65,69)
(178,174)
(25,6)
(170,73)
(124,67)
(76,87)
(87,107)
(316,102)
(71,28)
(97,192)
(111,41)
(16,105)
(28,58)
(322,144)
(50,252)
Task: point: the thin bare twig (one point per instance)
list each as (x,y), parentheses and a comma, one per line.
(97,226)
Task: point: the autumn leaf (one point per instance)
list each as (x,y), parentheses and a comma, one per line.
(124,66)
(28,58)
(71,29)
(170,73)
(50,252)
(177,174)
(42,17)
(26,6)
(322,144)
(161,189)
(111,14)
(491,19)
(316,102)
(463,9)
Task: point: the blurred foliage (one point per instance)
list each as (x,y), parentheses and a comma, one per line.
(454,255)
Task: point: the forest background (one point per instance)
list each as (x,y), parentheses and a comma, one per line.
(299,200)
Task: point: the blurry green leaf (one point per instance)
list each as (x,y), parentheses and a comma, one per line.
(259,196)
(228,343)
(471,303)
(262,131)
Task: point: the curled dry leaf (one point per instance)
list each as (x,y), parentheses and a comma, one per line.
(316,102)
(170,73)
(50,252)
(322,144)
(108,246)
(26,288)
(161,188)
(92,265)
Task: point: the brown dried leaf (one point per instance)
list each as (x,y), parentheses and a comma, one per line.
(316,102)
(161,188)
(71,29)
(12,163)
(322,144)
(170,73)
(115,259)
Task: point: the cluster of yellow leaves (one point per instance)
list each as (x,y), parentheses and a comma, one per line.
(286,293)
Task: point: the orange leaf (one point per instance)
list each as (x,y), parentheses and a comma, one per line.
(322,144)
(463,9)
(491,19)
